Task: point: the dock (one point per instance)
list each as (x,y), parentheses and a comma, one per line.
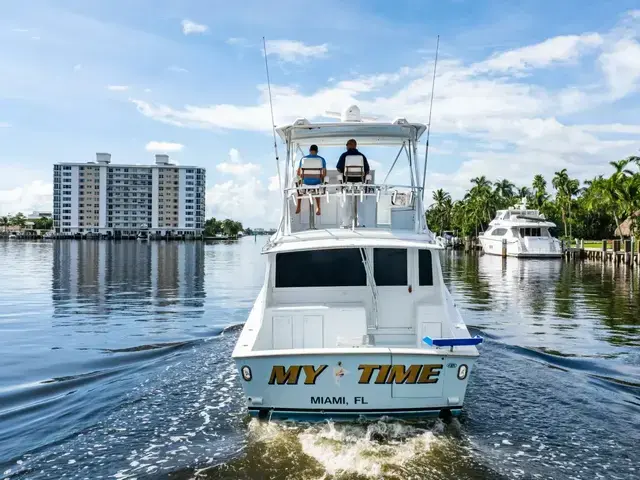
(623,252)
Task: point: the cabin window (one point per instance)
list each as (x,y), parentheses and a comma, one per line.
(530,232)
(320,268)
(499,232)
(424,268)
(390,266)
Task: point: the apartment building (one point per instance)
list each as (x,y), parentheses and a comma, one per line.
(123,200)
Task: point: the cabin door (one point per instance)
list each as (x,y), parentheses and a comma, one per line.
(392,271)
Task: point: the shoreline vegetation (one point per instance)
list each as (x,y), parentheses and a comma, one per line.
(217,228)
(602,208)
(21,222)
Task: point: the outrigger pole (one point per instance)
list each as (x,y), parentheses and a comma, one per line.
(426,149)
(273,122)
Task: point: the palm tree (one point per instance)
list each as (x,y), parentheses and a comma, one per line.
(482,199)
(524,192)
(562,183)
(441,209)
(504,188)
(601,194)
(617,194)
(539,183)
(4,221)
(629,198)
(540,195)
(620,167)
(481,182)
(19,219)
(440,196)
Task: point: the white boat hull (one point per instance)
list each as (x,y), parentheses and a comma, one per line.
(354,383)
(541,249)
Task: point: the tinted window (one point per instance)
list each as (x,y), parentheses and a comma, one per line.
(530,232)
(424,267)
(320,268)
(499,232)
(390,266)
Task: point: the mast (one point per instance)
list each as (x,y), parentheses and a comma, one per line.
(273,122)
(433,87)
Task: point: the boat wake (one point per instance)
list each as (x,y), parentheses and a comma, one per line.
(385,448)
(369,450)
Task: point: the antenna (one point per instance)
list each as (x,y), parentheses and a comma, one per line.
(273,122)
(426,148)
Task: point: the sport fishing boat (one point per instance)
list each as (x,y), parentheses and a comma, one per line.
(354,318)
(520,232)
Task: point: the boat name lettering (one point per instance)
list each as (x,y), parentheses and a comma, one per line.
(379,374)
(281,375)
(399,374)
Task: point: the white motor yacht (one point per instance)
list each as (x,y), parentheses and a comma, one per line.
(520,232)
(354,318)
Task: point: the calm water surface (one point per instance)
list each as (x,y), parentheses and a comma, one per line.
(115,363)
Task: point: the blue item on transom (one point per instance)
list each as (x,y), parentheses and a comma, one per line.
(452,342)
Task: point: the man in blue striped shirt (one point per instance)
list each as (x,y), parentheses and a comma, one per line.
(312,180)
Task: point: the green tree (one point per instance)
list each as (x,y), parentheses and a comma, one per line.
(504,189)
(18,220)
(231,228)
(481,201)
(566,188)
(439,215)
(4,222)
(630,200)
(212,227)
(590,212)
(540,195)
(43,224)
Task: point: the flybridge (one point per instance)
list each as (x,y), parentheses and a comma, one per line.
(364,203)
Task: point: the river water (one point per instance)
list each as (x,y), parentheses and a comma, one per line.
(115,363)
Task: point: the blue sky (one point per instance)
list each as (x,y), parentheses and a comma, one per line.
(521,89)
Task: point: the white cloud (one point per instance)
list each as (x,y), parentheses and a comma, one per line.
(189,27)
(234,155)
(35,38)
(217,116)
(154,146)
(499,125)
(247,200)
(77,67)
(5,125)
(175,68)
(20,30)
(612,128)
(118,88)
(147,90)
(237,41)
(560,49)
(621,65)
(295,51)
(238,169)
(235,165)
(274,184)
(33,196)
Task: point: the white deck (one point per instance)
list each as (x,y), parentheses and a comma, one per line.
(344,238)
